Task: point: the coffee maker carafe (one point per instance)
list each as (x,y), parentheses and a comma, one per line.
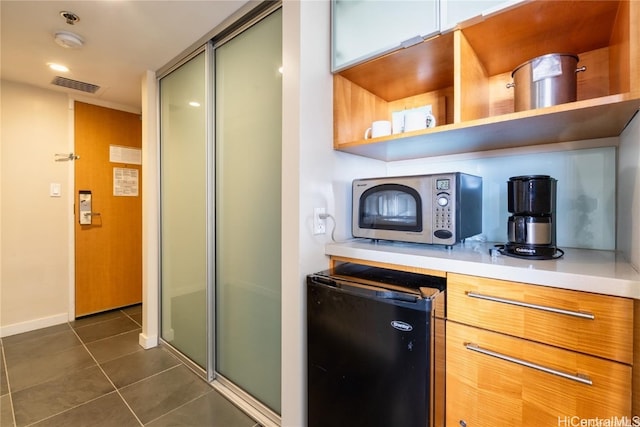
(531,228)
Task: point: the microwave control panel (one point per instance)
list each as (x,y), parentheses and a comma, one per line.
(443,211)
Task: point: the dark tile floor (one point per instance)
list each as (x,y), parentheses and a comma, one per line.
(92,372)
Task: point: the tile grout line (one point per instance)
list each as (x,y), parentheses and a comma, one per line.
(6,374)
(112,336)
(96,323)
(99,366)
(109,337)
(121,311)
(84,346)
(65,410)
(117,390)
(181,406)
(154,375)
(122,355)
(108,379)
(68,409)
(131,318)
(60,375)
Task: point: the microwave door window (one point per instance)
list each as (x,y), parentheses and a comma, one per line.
(391,207)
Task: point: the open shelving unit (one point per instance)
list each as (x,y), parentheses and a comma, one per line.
(463,74)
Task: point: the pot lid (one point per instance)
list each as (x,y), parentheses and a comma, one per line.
(545,56)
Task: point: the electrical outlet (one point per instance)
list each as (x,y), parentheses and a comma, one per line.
(319,224)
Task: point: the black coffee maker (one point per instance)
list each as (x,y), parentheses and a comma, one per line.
(531,228)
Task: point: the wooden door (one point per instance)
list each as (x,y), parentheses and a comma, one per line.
(108,252)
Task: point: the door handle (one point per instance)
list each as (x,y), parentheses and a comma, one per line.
(85,213)
(84,210)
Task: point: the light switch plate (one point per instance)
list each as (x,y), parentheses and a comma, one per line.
(54,189)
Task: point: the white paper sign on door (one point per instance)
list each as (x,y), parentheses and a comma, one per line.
(119,154)
(125,182)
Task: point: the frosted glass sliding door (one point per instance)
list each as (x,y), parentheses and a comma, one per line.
(183,181)
(248,101)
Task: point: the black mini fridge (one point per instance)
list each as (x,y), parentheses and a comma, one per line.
(370,347)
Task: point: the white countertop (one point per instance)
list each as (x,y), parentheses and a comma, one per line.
(602,272)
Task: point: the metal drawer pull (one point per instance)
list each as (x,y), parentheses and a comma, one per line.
(578,377)
(580,314)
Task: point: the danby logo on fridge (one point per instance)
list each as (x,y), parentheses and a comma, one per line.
(401,326)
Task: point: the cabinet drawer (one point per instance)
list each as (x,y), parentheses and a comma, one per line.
(600,325)
(498,380)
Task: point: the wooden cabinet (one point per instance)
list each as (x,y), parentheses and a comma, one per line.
(367,28)
(490,382)
(463,76)
(454,12)
(594,324)
(521,354)
(636,358)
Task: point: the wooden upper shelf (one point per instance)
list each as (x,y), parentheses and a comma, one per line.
(538,28)
(589,119)
(501,41)
(421,68)
(463,75)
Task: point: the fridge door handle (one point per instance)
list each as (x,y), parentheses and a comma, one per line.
(398,296)
(365,290)
(379,293)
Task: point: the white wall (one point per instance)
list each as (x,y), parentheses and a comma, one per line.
(34,279)
(586,174)
(313,176)
(629,193)
(150,216)
(36,230)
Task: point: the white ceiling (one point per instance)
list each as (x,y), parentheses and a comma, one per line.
(123,39)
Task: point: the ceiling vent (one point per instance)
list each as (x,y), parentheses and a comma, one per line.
(74,84)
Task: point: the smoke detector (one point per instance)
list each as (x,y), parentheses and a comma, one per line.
(68,40)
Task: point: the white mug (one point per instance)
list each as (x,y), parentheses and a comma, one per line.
(378,128)
(417,120)
(431,120)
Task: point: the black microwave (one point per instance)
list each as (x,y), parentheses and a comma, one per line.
(438,209)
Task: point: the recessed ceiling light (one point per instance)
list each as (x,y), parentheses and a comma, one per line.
(68,40)
(58,67)
(194,104)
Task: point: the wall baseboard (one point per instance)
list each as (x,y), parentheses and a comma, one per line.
(147,342)
(32,325)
